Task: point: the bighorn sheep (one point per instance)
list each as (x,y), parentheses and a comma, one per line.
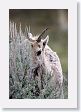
(44,59)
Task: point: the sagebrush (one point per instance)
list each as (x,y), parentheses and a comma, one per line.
(21,83)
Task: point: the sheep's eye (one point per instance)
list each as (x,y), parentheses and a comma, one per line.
(38,53)
(43,43)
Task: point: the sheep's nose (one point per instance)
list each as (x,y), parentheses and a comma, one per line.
(38,53)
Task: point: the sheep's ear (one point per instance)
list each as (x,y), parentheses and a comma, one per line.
(45,41)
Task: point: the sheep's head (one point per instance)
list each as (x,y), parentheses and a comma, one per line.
(37,43)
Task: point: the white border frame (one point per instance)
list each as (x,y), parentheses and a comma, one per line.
(71,102)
